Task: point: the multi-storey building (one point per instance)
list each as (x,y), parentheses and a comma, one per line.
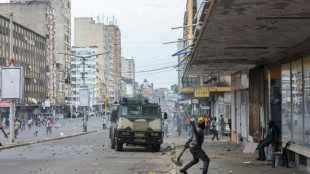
(128,76)
(63,45)
(29,52)
(116,59)
(43,22)
(91,77)
(89,33)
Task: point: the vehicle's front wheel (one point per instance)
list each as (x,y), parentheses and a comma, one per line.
(112,143)
(156,148)
(119,146)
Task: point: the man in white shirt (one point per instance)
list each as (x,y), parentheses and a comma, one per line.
(103,123)
(213,128)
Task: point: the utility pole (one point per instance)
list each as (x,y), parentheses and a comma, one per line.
(85,121)
(84,84)
(12,102)
(105,102)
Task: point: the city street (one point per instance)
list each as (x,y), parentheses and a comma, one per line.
(239,68)
(91,153)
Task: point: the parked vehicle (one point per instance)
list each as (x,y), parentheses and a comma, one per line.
(136,122)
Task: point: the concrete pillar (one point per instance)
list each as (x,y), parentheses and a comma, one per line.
(308,165)
(297,159)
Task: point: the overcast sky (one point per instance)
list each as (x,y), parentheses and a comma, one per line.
(145,25)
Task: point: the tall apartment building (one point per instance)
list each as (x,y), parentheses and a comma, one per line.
(128,76)
(128,68)
(43,22)
(29,52)
(63,45)
(91,76)
(89,33)
(116,32)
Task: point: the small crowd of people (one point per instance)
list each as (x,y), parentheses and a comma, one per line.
(211,125)
(34,123)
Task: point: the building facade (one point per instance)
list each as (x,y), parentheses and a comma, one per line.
(62,39)
(107,40)
(91,75)
(128,75)
(116,32)
(268,73)
(29,52)
(41,20)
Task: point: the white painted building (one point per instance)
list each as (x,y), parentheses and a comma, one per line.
(77,69)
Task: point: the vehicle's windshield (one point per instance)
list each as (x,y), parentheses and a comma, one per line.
(130,110)
(150,111)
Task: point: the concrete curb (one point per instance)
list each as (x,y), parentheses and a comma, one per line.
(30,142)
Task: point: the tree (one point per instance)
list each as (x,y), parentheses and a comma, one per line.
(187,108)
(176,89)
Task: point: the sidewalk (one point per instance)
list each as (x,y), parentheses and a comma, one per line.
(63,128)
(229,158)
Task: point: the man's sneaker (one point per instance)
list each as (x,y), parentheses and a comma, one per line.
(258,159)
(263,159)
(183,171)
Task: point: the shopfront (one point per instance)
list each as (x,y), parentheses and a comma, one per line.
(295,91)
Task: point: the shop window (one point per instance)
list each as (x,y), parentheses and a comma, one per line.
(297,102)
(286,102)
(306,72)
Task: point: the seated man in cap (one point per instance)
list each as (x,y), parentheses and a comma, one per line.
(271,138)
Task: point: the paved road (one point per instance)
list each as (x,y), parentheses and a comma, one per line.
(91,154)
(85,154)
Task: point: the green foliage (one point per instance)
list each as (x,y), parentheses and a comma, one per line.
(188,108)
(176,89)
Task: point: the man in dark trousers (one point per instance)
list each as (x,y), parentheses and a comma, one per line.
(272,136)
(194,144)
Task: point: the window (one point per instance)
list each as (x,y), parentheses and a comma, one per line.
(297,97)
(307,100)
(150,111)
(130,110)
(286,102)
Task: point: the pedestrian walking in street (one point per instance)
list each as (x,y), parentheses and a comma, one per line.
(213,128)
(7,123)
(36,128)
(29,124)
(222,124)
(179,125)
(272,137)
(229,124)
(165,128)
(49,126)
(23,125)
(5,135)
(188,127)
(16,127)
(194,144)
(3,122)
(42,120)
(103,123)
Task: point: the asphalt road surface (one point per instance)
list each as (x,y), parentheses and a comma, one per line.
(89,154)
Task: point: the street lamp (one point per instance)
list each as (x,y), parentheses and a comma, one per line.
(83,76)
